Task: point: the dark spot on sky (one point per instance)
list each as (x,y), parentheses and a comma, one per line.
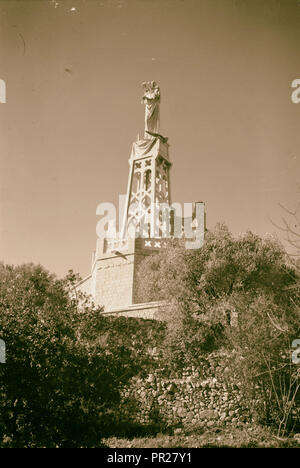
(24,45)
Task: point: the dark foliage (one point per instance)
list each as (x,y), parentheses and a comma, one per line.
(65,362)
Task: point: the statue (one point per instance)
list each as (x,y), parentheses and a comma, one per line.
(151,99)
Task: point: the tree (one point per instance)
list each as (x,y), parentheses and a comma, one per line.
(237,293)
(290,225)
(64,365)
(262,340)
(204,288)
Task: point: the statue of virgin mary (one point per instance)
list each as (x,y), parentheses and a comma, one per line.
(151,99)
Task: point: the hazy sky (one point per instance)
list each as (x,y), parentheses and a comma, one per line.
(73,71)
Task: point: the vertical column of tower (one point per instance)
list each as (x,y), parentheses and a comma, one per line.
(148,188)
(153,197)
(128,194)
(115,264)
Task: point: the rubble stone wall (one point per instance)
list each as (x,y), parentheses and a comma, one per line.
(194,398)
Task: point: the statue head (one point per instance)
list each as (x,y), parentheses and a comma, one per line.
(150,85)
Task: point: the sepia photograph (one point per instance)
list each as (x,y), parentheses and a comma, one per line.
(149,226)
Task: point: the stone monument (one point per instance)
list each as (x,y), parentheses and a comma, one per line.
(112,282)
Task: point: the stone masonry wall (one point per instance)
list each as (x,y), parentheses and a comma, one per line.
(114,275)
(114,282)
(190,399)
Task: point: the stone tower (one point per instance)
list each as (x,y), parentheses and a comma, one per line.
(147,222)
(112,282)
(149,182)
(148,189)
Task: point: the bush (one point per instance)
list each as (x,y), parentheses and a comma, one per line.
(271,382)
(65,363)
(241,293)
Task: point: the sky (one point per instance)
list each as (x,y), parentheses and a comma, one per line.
(73,72)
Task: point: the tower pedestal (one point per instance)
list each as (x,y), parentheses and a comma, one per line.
(146,225)
(113,280)
(148,188)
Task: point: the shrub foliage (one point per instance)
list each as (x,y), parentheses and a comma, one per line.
(241,293)
(65,363)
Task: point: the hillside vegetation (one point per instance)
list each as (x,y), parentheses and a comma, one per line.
(68,367)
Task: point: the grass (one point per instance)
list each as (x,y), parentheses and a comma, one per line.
(226,437)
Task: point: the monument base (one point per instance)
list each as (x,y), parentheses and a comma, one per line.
(113,280)
(147,310)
